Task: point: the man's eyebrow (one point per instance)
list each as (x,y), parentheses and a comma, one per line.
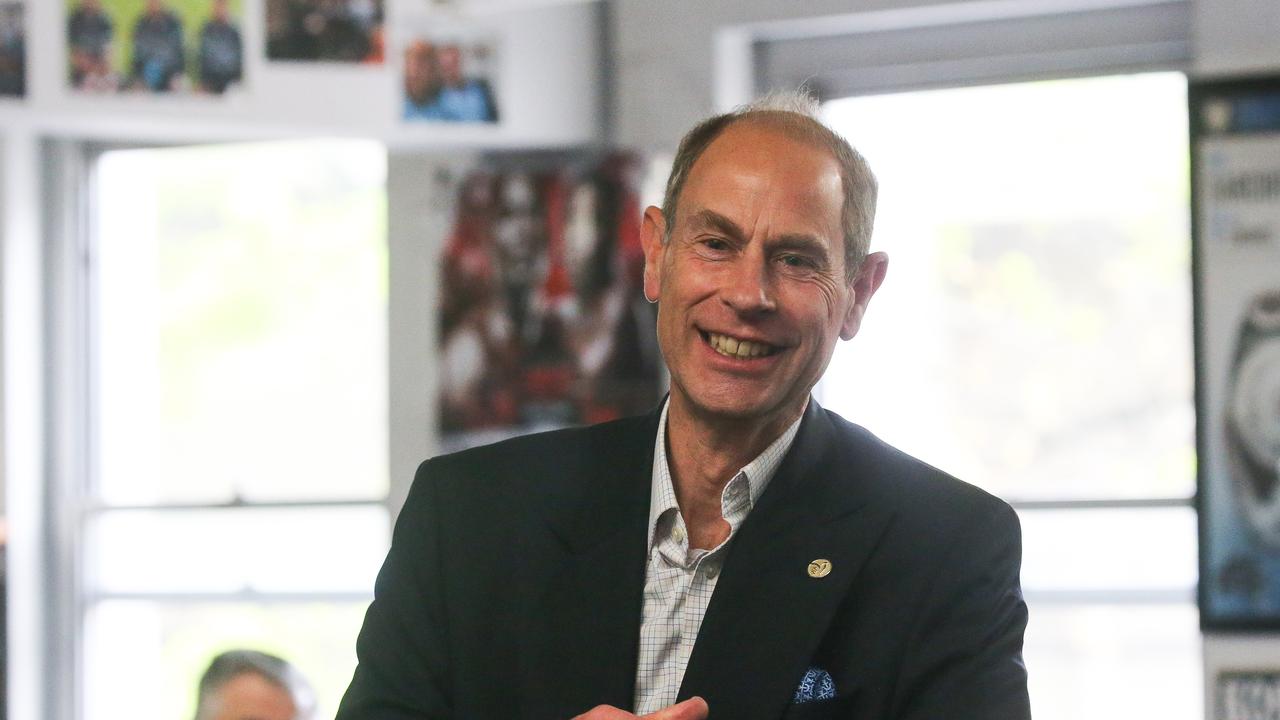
(713,219)
(801,242)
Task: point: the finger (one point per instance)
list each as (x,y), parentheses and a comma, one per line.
(695,708)
(605,712)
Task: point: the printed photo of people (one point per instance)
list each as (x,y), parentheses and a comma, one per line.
(348,31)
(13,51)
(543,323)
(154,46)
(448,80)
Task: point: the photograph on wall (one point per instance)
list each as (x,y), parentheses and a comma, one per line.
(543,323)
(154,47)
(448,77)
(13,50)
(1236,180)
(341,31)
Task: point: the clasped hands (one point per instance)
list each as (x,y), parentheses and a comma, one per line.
(695,708)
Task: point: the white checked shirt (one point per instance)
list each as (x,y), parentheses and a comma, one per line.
(678,581)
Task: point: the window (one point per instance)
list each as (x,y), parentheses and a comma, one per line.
(1034,337)
(234,492)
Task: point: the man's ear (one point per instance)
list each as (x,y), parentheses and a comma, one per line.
(865,284)
(652,231)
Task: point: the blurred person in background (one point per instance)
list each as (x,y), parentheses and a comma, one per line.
(252,685)
(89,34)
(158,52)
(421,82)
(221,50)
(463,98)
(13,52)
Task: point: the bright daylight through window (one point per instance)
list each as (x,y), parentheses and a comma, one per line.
(1034,338)
(238,478)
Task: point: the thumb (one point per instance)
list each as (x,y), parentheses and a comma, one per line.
(695,708)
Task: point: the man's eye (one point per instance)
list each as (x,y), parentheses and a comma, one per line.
(797,261)
(715,244)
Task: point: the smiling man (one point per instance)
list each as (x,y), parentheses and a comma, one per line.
(740,553)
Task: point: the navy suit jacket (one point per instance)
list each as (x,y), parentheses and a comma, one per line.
(514,584)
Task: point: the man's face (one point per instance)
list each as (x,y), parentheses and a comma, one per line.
(155,6)
(451,64)
(751,283)
(249,696)
(419,75)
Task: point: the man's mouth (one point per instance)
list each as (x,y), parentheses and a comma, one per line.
(733,347)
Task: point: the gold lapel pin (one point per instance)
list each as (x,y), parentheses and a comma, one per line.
(819,568)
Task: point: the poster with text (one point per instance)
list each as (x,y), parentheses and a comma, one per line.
(340,31)
(13,50)
(543,323)
(154,47)
(1236,180)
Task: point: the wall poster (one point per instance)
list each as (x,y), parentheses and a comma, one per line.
(1235,134)
(543,323)
(159,47)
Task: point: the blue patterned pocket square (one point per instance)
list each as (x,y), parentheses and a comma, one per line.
(815,685)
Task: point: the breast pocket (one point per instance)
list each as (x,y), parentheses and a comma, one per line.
(837,708)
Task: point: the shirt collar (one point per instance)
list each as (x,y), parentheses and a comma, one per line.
(758,472)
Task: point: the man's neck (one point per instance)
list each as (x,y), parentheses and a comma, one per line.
(703,455)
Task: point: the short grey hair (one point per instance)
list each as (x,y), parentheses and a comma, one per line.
(233,663)
(795,113)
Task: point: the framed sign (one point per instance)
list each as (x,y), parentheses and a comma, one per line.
(1235,141)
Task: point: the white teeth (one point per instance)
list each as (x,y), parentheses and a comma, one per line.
(733,347)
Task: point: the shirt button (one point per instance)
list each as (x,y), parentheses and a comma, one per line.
(678,533)
(711,570)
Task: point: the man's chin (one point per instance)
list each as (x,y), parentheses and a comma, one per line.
(735,408)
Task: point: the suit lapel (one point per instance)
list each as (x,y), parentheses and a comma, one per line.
(767,615)
(581,636)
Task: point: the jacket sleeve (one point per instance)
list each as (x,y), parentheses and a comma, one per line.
(964,657)
(402,649)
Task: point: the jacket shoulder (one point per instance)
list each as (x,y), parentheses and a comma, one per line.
(545,458)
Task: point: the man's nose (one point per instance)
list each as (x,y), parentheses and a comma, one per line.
(750,290)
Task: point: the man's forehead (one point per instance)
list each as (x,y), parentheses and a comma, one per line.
(745,169)
(758,147)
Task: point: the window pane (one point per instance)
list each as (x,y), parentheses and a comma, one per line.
(1118,550)
(241,322)
(264,550)
(1034,332)
(144,659)
(1107,662)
